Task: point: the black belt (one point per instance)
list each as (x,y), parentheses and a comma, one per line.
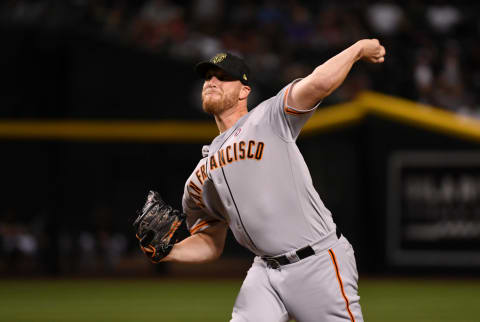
(276,262)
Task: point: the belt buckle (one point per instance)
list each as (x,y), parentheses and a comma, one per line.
(272,263)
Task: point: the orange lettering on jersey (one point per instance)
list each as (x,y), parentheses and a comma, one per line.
(259,153)
(235,156)
(250,154)
(221,158)
(241,151)
(197,173)
(213,163)
(204,173)
(196,197)
(198,200)
(196,194)
(227,152)
(241,147)
(195,187)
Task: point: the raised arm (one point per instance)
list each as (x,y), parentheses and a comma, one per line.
(204,246)
(331,74)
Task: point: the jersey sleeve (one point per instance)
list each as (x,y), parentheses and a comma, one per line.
(286,120)
(198,216)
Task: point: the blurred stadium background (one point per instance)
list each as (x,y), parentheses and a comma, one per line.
(99,104)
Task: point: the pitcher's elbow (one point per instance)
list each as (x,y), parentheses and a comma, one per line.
(323,85)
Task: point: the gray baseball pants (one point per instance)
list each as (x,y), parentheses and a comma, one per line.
(322,287)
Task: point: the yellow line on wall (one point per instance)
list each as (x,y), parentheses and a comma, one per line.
(334,117)
(327,118)
(420,115)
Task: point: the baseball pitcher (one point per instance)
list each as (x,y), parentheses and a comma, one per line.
(253,179)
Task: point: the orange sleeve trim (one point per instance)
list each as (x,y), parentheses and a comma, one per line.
(347,304)
(203,224)
(290,110)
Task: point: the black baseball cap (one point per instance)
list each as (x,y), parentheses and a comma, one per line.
(231,64)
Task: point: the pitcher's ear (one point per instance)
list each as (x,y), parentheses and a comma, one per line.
(244,92)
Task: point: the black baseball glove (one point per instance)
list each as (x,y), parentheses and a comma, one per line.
(159,227)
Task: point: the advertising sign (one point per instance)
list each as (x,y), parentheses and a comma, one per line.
(433,209)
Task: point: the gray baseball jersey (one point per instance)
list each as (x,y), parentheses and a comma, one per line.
(254,178)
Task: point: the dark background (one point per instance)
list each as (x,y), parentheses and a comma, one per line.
(67,206)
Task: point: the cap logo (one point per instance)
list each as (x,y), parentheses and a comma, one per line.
(218,58)
(245,77)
